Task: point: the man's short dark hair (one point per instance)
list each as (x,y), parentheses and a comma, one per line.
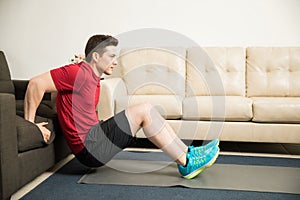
(98,43)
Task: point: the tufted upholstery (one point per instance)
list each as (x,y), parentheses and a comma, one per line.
(273,83)
(273,71)
(216,71)
(212,73)
(155,75)
(153,71)
(234,93)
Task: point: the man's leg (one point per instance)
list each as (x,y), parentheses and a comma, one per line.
(157,130)
(191,161)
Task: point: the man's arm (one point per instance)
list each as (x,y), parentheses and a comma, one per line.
(35,91)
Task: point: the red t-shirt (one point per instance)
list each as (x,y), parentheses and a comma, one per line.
(77,97)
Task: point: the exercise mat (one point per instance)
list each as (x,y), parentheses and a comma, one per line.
(219,176)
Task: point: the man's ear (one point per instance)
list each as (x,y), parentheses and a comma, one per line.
(95,56)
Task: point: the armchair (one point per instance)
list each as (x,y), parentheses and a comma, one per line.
(23,154)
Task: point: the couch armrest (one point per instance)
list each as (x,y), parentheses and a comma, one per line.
(21,87)
(111,89)
(8,146)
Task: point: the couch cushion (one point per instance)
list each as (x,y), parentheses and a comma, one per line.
(276,109)
(273,71)
(169,106)
(153,71)
(29,135)
(229,108)
(214,71)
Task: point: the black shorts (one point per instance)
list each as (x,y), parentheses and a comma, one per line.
(105,140)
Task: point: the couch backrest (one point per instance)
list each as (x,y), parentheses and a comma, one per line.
(153,71)
(216,71)
(6,84)
(273,71)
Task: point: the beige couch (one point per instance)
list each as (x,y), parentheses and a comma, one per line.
(233,93)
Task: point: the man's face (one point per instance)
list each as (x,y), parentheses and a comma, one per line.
(108,61)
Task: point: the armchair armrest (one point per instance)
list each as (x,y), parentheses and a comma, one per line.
(8,145)
(111,89)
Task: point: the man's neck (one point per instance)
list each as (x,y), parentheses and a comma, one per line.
(94,68)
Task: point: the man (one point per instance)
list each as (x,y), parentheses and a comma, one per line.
(94,143)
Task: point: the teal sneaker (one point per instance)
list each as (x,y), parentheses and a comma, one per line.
(195,164)
(199,151)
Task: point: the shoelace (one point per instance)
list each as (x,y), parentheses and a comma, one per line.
(198,149)
(197,160)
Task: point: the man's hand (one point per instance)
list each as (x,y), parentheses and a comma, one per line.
(45,132)
(78,58)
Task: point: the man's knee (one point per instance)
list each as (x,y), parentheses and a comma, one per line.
(149,112)
(153,122)
(141,109)
(139,113)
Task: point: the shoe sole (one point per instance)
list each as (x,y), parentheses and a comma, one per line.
(198,171)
